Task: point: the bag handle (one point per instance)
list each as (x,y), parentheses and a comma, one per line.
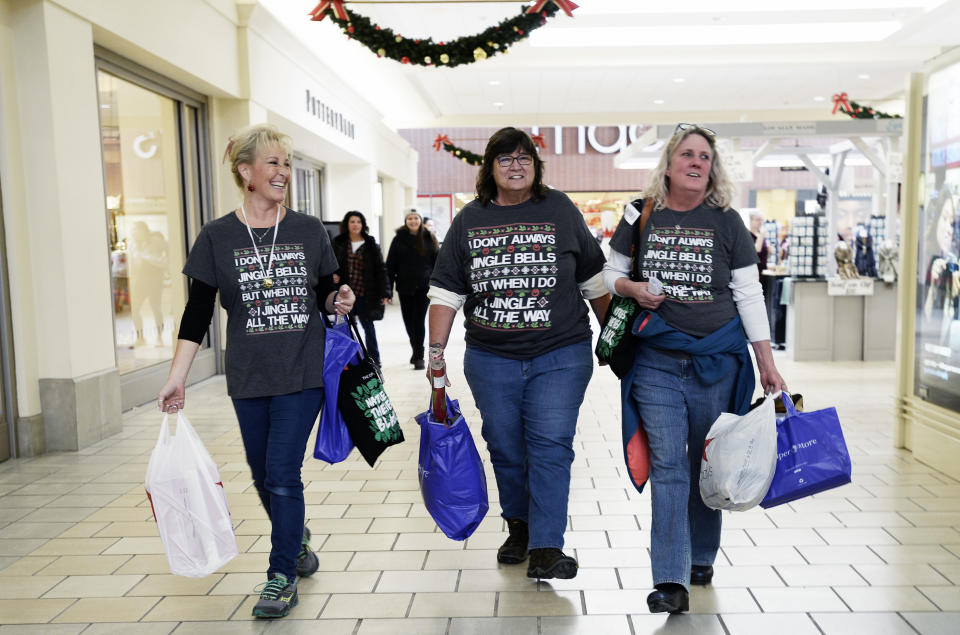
(638,229)
(788,404)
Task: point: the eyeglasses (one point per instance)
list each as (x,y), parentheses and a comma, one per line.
(683,127)
(506,160)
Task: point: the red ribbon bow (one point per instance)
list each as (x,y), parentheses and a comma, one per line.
(320,11)
(539,141)
(565,5)
(439,141)
(840,99)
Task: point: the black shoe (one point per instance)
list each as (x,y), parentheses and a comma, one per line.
(701,574)
(418,364)
(550,562)
(669,598)
(277,597)
(514,549)
(306,534)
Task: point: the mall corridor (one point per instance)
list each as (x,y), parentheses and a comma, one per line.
(79,551)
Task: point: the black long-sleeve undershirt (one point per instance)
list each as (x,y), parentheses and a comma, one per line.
(202,300)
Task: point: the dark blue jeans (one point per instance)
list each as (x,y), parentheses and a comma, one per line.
(677,411)
(275,432)
(529,410)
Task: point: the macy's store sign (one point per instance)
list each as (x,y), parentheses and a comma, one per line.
(614,138)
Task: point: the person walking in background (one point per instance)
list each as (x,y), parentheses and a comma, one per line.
(265,253)
(361,267)
(410,261)
(705,264)
(759,241)
(521,260)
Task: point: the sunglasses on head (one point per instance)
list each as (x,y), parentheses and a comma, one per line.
(692,127)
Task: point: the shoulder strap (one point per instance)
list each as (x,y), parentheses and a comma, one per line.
(637,232)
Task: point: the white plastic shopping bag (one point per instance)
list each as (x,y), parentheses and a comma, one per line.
(189,504)
(739,458)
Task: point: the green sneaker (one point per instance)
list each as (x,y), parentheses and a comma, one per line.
(277,597)
(307,562)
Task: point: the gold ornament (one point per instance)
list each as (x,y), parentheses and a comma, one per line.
(458,153)
(479,54)
(381,52)
(427,60)
(398,39)
(444,58)
(493,45)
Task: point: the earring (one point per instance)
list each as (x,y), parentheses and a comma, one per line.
(250,187)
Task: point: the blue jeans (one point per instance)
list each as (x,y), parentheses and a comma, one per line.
(275,432)
(677,412)
(529,410)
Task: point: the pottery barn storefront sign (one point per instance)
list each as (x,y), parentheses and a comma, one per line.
(330,116)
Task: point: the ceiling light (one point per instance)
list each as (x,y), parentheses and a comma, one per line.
(494,82)
(716,35)
(658,101)
(863,76)
(498,104)
(678,80)
(819,98)
(105,106)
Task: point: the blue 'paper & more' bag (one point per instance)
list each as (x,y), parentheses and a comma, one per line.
(811,455)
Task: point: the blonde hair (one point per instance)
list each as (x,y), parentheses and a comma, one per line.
(247,143)
(720,190)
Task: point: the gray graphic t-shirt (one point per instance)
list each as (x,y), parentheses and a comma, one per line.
(692,253)
(519,267)
(275,335)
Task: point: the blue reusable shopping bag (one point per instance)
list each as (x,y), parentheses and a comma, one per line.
(333,440)
(452,481)
(811,455)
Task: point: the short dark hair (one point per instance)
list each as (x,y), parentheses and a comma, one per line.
(505,141)
(344,224)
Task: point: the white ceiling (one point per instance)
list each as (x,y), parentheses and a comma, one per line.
(619,74)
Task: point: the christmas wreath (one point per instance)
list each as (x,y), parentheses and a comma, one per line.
(425,52)
(857,111)
(472,158)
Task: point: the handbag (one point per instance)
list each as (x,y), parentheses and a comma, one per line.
(452,480)
(812,455)
(365,407)
(333,442)
(616,345)
(188,502)
(739,458)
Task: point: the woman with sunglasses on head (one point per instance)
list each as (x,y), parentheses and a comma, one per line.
(520,260)
(695,277)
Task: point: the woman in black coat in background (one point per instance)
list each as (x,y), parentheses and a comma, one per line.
(410,261)
(361,267)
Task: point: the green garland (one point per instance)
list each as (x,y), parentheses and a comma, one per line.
(470,158)
(425,52)
(859,111)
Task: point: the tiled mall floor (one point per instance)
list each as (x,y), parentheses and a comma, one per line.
(79,551)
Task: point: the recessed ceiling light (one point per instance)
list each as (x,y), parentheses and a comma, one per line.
(819,98)
(863,76)
(498,104)
(658,101)
(678,80)
(494,82)
(105,106)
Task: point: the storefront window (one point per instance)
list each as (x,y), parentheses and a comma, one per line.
(145,191)
(938,271)
(307,186)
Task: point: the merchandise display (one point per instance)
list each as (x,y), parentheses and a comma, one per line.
(808,246)
(771,233)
